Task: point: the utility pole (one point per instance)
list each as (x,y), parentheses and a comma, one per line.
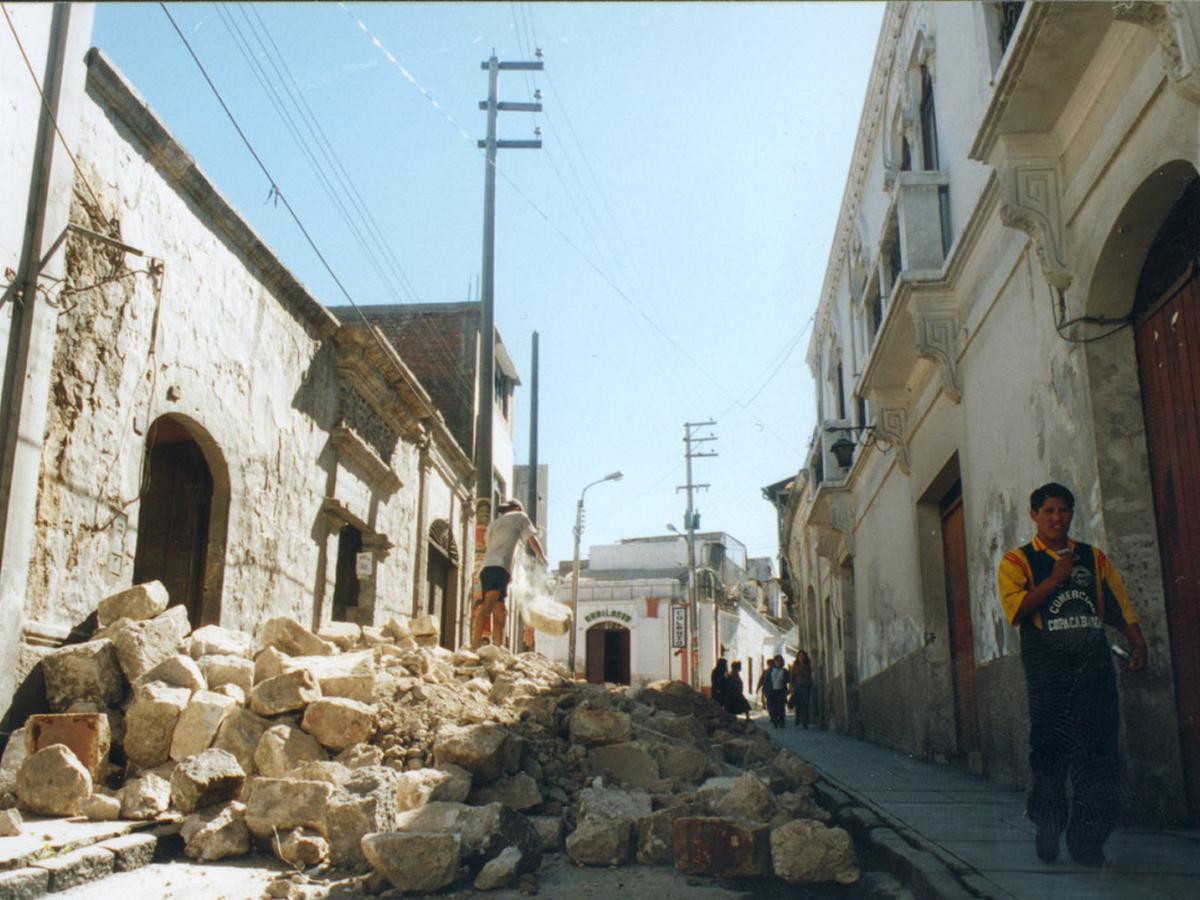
(487,325)
(484,478)
(690,439)
(533,439)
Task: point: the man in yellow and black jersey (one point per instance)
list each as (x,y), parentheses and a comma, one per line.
(1061,594)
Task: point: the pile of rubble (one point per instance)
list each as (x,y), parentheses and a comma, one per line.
(376,751)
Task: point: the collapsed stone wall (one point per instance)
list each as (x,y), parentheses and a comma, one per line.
(374,755)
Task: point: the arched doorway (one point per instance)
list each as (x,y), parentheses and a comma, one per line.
(441,578)
(608,653)
(181,521)
(1166,316)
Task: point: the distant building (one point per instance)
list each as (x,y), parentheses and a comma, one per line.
(440,344)
(628,596)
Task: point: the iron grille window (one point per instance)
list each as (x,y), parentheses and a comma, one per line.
(1010,14)
(944,211)
(929,148)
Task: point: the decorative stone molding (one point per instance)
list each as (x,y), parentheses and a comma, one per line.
(1174,26)
(337,514)
(937,340)
(353,450)
(890,427)
(44,634)
(1029,201)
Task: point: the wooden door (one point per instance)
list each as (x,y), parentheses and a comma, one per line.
(1167,335)
(172,544)
(595,655)
(958,608)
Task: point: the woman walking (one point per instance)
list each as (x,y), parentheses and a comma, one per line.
(735,697)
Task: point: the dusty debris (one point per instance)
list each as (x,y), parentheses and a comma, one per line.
(376,751)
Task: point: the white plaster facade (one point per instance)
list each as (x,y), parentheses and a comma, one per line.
(940,328)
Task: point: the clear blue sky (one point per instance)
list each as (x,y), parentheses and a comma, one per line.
(668,243)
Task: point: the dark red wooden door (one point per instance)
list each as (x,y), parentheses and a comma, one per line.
(1168,348)
(962,640)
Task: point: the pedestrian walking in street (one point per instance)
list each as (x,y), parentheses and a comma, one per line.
(801,679)
(505,533)
(718,680)
(735,694)
(1062,593)
(774,687)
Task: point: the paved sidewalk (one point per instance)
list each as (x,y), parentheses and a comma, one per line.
(923,816)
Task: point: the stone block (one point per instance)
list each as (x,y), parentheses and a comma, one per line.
(749,799)
(150,723)
(53,782)
(24,884)
(485,830)
(300,848)
(140,646)
(656,832)
(292,638)
(499,872)
(101,808)
(199,723)
(216,833)
(282,748)
(685,764)
(594,727)
(147,796)
(366,803)
(284,693)
(629,764)
(361,755)
(338,723)
(345,634)
(477,748)
(722,848)
(426,630)
(414,862)
(600,842)
(90,672)
(142,601)
(206,779)
(551,830)
(131,851)
(359,686)
(220,669)
(519,792)
(10,822)
(270,663)
(177,671)
(794,769)
(281,804)
(240,733)
(600,802)
(233,692)
(15,752)
(86,734)
(77,867)
(417,787)
(213,640)
(807,851)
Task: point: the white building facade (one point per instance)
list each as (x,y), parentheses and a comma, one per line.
(1008,299)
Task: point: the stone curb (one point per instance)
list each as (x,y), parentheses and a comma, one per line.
(79,866)
(928,869)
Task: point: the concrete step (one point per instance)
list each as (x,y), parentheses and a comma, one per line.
(52,854)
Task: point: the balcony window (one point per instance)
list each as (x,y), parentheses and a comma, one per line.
(944,212)
(929,148)
(1009,13)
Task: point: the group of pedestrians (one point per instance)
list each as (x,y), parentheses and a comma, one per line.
(779,686)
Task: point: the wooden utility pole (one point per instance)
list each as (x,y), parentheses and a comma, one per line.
(689,439)
(533,439)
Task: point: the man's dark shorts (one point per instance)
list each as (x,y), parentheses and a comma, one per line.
(494,578)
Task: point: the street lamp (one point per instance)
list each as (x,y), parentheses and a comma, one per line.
(612,476)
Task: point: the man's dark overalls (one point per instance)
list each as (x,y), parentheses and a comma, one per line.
(1073,712)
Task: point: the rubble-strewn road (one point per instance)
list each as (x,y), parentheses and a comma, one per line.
(374,759)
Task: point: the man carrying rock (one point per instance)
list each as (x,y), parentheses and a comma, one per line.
(509,529)
(1061,594)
